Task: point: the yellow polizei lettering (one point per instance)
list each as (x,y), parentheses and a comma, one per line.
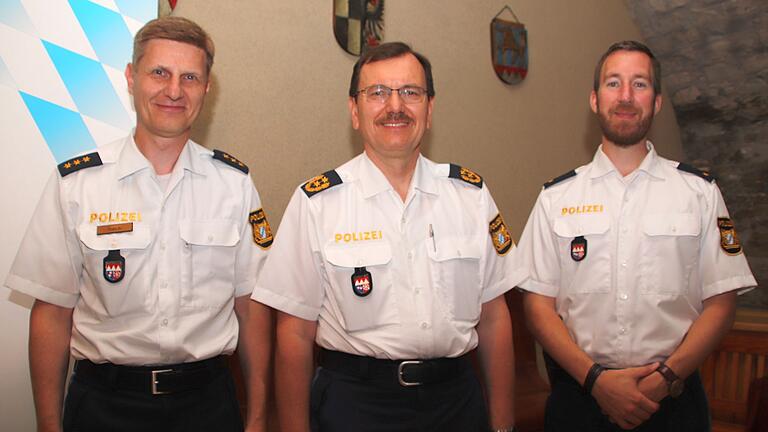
(586,208)
(357,236)
(104,217)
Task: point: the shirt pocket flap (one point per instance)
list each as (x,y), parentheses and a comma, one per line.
(359,255)
(209,233)
(139,238)
(581,226)
(675,224)
(455,247)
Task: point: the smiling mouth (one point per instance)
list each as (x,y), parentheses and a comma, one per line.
(394,120)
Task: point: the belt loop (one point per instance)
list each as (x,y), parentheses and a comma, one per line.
(365,367)
(113,375)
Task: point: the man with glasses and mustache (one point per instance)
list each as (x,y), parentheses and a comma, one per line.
(396,267)
(634,269)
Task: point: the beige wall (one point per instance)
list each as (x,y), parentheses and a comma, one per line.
(279,103)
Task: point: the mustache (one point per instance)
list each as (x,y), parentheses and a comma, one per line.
(627,107)
(398,116)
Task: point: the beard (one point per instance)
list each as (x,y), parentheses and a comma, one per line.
(622,133)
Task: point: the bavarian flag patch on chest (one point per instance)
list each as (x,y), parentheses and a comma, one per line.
(262,233)
(729,240)
(502,241)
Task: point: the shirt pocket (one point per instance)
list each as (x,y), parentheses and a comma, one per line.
(592,274)
(454,265)
(356,312)
(669,252)
(208,262)
(131,292)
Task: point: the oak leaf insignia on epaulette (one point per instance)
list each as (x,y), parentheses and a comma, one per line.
(465,174)
(78,163)
(559,178)
(695,171)
(230,160)
(320,183)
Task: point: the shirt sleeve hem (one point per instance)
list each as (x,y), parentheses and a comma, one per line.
(743,283)
(245,288)
(285,304)
(41,292)
(537,287)
(504,285)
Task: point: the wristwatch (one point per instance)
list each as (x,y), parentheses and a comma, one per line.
(675,385)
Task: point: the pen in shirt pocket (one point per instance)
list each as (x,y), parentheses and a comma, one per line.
(432,235)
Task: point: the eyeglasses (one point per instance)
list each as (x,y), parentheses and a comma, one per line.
(381,93)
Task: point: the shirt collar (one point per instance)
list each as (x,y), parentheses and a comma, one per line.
(373,181)
(131,160)
(602,165)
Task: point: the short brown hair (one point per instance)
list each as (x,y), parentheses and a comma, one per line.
(176,29)
(387,51)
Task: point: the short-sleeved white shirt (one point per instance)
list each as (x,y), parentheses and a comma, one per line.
(189,253)
(431,258)
(652,255)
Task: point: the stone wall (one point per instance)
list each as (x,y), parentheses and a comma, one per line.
(714,57)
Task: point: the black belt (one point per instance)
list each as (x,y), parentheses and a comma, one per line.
(404,372)
(155,380)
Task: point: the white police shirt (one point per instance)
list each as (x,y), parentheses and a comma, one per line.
(630,259)
(386,278)
(188,251)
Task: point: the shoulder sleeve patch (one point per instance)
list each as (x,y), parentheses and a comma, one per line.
(262,233)
(502,241)
(320,183)
(695,171)
(78,163)
(230,160)
(558,179)
(465,174)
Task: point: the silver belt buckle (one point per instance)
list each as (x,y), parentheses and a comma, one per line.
(400,379)
(154,381)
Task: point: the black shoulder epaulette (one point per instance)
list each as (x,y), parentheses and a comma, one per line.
(322,182)
(466,175)
(230,160)
(558,179)
(78,163)
(695,171)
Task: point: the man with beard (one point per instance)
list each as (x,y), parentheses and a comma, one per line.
(141,257)
(396,266)
(634,269)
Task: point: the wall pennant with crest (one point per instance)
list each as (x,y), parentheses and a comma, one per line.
(358,24)
(509,48)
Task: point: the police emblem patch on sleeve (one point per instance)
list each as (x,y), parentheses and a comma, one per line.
(78,163)
(320,183)
(262,233)
(466,175)
(729,240)
(502,241)
(230,160)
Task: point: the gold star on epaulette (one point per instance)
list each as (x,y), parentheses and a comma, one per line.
(230,160)
(78,163)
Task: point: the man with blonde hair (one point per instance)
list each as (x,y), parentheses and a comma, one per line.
(141,257)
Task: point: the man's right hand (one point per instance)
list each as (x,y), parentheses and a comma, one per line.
(617,393)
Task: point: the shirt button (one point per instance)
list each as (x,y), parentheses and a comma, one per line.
(210,238)
(162,245)
(624,264)
(623,296)
(410,256)
(165,322)
(622,330)
(402,220)
(424,325)
(417,290)
(164,284)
